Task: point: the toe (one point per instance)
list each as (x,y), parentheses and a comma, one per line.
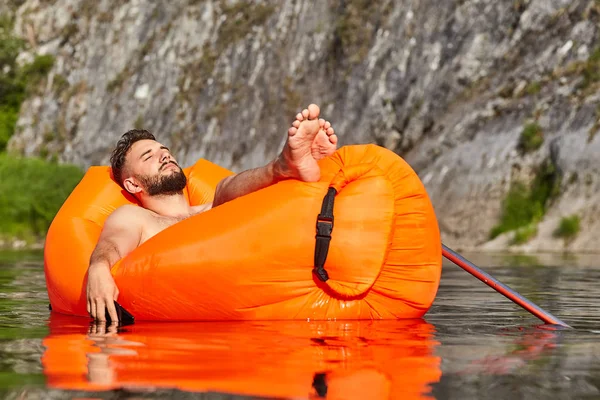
(313,111)
(321,122)
(299,117)
(296,124)
(292,131)
(330,131)
(333,139)
(327,125)
(305,113)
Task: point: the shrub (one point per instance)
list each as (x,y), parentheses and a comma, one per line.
(31,193)
(568,227)
(532,137)
(523,234)
(15,81)
(524,206)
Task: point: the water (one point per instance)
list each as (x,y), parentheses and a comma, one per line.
(473,344)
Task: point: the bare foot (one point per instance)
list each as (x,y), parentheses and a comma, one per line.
(308,141)
(325,143)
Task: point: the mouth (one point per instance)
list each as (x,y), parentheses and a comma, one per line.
(170,164)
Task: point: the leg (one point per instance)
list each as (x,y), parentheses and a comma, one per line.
(309,140)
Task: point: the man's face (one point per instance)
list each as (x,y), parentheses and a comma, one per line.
(151,168)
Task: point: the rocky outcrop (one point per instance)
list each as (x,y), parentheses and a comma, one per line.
(450,86)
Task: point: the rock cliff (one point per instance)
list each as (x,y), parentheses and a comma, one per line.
(491,102)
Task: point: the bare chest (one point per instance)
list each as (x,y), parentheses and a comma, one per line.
(155,224)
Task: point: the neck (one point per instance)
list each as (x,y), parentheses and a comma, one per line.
(172,205)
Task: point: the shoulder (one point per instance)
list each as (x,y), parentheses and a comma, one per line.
(127,215)
(201,208)
(127,210)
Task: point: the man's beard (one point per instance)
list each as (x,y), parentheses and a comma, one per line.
(165,185)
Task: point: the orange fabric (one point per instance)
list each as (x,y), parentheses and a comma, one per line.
(276,359)
(251,258)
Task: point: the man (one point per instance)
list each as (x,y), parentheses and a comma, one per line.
(146,169)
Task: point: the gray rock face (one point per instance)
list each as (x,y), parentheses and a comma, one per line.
(447,85)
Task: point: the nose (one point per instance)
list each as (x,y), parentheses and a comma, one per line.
(165,156)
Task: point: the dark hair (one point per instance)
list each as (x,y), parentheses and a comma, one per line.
(117,159)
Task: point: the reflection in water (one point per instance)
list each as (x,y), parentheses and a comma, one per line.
(526,348)
(342,360)
(474,344)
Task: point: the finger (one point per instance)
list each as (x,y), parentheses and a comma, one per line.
(112,311)
(100,310)
(299,117)
(93,306)
(89,307)
(100,328)
(112,328)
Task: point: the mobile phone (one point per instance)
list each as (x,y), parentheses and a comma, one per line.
(125,317)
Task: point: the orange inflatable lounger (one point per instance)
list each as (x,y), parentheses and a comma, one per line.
(253,258)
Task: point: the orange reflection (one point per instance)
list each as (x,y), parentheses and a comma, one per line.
(345,360)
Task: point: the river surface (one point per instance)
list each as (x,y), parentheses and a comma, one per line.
(473,344)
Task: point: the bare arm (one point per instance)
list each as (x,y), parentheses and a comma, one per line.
(121,234)
(246,182)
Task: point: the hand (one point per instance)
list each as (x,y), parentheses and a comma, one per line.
(101,293)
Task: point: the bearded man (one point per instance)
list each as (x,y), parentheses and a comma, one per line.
(147,170)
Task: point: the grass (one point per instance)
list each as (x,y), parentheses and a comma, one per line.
(568,227)
(31,190)
(524,206)
(588,70)
(533,88)
(31,193)
(531,139)
(523,234)
(591,69)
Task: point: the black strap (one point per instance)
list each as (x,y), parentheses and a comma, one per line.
(323,237)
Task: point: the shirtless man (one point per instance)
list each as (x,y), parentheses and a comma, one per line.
(146,169)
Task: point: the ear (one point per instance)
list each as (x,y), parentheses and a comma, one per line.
(132,186)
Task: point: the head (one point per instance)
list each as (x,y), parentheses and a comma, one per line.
(141,165)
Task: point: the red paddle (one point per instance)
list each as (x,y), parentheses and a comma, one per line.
(500,287)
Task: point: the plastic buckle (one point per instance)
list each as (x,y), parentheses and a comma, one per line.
(324,226)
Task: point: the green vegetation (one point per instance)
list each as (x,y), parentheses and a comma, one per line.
(533,88)
(523,234)
(532,137)
(525,206)
(31,192)
(594,129)
(354,27)
(16,82)
(568,227)
(591,69)
(117,82)
(240,18)
(139,122)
